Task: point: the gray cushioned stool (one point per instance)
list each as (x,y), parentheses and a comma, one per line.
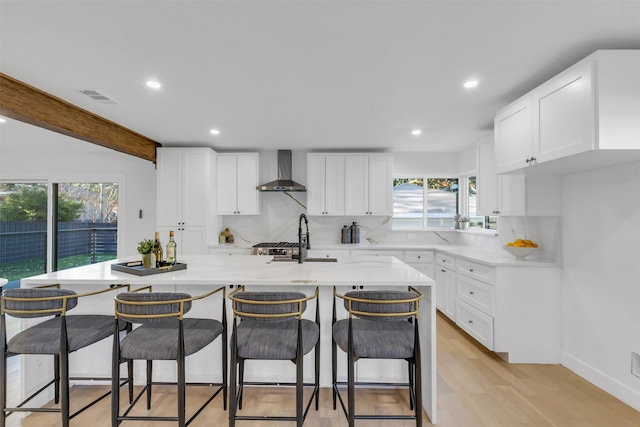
(269,326)
(58,336)
(164,333)
(381,324)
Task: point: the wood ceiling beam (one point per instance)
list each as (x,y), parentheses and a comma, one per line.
(28,104)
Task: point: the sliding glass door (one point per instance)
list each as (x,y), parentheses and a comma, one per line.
(23,230)
(82,222)
(86,224)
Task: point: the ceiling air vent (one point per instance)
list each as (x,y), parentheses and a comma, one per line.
(94,94)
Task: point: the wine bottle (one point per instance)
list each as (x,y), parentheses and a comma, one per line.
(171,249)
(157,250)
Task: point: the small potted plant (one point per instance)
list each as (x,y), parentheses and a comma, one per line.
(463,221)
(144,248)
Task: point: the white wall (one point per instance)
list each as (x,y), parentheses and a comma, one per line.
(601,277)
(31,153)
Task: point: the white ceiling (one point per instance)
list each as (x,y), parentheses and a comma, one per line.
(310,75)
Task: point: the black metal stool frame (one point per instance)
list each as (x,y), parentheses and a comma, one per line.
(61,377)
(116,418)
(237,364)
(414,363)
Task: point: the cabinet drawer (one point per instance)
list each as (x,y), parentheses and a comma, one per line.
(475,293)
(445,260)
(319,253)
(477,271)
(373,252)
(418,257)
(475,323)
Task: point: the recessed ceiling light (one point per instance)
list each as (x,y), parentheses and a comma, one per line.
(214,132)
(153,84)
(416,132)
(3,120)
(470,84)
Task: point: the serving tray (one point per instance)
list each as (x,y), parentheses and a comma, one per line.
(137,268)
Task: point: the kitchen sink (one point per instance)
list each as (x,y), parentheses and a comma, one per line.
(305,260)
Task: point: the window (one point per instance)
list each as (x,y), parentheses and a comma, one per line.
(87,224)
(83,229)
(416,206)
(23,231)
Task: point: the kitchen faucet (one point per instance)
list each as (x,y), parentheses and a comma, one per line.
(302,254)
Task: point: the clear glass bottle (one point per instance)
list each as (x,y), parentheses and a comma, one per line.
(157,250)
(171,249)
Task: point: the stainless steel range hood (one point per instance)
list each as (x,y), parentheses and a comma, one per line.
(284,182)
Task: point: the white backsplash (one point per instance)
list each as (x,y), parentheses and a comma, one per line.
(279,223)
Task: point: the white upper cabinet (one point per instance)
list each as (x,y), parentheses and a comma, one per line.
(563,111)
(186,197)
(592,106)
(238,175)
(368,186)
(513,127)
(515,194)
(487,203)
(325,184)
(183,186)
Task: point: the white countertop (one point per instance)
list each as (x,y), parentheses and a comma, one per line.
(491,258)
(251,270)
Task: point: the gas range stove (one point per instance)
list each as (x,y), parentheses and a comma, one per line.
(279,249)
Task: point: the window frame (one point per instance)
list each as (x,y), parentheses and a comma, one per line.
(462,203)
(425,217)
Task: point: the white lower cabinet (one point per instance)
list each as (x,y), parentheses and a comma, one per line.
(475,293)
(475,304)
(514,311)
(373,252)
(446,285)
(189,240)
(319,253)
(421,261)
(476,323)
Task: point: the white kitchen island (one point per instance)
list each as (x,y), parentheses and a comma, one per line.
(209,271)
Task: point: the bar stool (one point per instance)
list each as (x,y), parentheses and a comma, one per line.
(269,326)
(381,324)
(58,336)
(164,333)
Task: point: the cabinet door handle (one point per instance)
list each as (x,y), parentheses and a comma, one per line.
(444,271)
(470,292)
(471,270)
(470,321)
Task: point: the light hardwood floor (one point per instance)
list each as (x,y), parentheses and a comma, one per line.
(475,388)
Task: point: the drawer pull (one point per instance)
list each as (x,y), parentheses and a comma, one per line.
(470,321)
(471,270)
(443,270)
(470,292)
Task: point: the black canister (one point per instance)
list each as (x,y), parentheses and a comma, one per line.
(345,235)
(355,232)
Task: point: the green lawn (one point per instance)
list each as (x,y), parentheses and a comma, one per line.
(18,270)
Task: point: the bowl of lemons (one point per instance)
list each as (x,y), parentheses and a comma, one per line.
(521,248)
